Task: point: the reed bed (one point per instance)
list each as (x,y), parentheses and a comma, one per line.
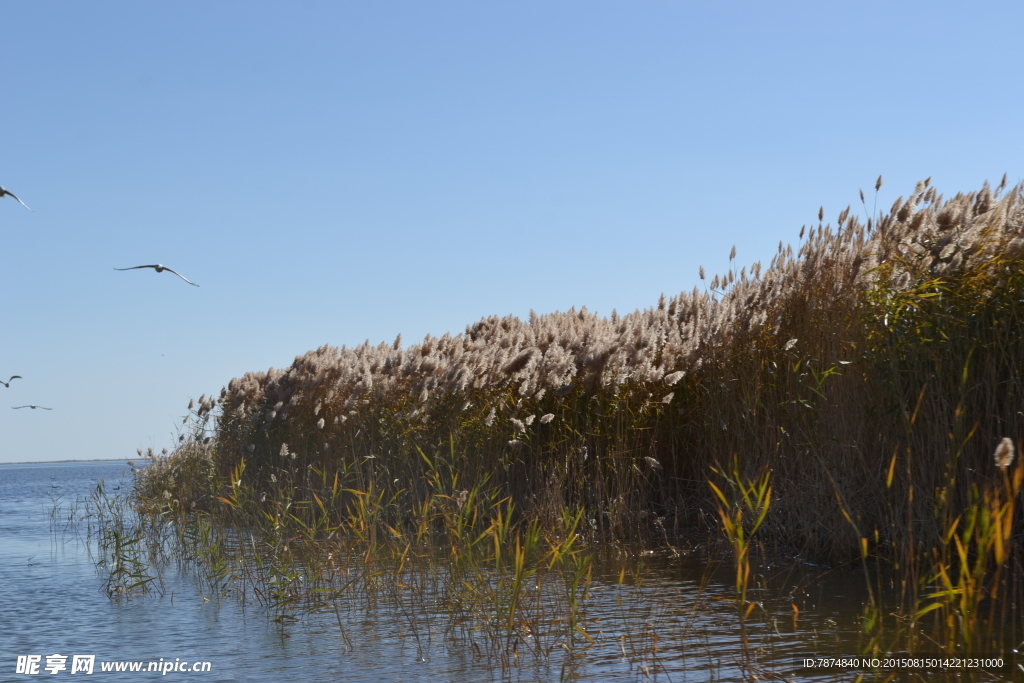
(869,374)
(513,596)
(536,604)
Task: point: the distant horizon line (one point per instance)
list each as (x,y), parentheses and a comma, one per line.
(55,462)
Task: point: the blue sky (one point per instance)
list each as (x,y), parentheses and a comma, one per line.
(332,172)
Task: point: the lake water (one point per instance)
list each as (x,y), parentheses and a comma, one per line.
(669,629)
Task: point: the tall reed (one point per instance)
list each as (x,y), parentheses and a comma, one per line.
(869,370)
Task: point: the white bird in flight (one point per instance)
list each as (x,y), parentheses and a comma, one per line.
(4,192)
(33,407)
(8,382)
(161,268)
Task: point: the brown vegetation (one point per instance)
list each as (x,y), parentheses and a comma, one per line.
(869,376)
(901,336)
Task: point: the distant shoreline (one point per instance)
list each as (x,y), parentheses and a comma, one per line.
(57,462)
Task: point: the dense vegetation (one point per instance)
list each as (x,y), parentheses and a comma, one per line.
(867,378)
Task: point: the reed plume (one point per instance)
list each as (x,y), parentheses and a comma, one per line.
(1004,453)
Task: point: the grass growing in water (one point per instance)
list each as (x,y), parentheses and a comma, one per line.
(870,372)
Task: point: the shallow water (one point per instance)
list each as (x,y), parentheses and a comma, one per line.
(677,625)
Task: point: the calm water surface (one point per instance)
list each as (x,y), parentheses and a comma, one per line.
(668,629)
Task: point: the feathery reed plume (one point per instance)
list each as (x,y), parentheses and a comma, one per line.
(673,377)
(547,418)
(1004,453)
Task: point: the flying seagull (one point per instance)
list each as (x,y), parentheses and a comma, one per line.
(8,382)
(160,268)
(33,407)
(4,193)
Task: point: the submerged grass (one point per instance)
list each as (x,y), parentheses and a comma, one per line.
(868,377)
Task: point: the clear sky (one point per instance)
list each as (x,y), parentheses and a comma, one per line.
(332,172)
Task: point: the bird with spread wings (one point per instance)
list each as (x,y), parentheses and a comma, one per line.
(161,268)
(8,193)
